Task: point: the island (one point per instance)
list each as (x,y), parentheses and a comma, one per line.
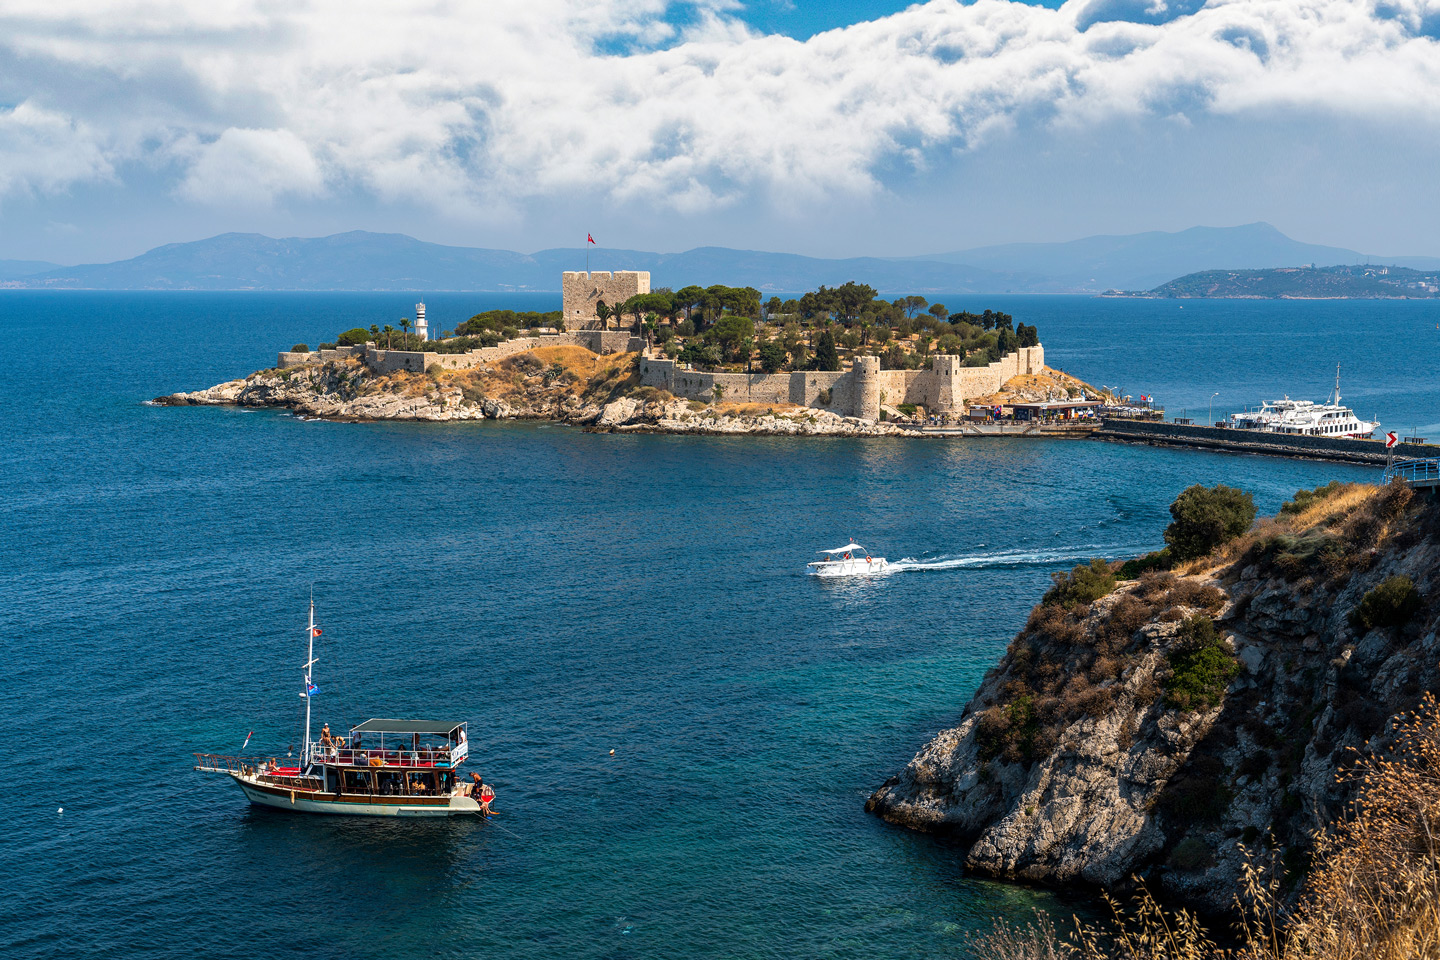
(1358,282)
(619,356)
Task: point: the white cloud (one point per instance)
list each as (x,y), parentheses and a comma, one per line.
(474,107)
(250,168)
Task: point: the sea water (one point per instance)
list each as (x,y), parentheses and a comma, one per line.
(568,594)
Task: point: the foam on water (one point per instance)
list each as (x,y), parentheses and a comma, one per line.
(1015,559)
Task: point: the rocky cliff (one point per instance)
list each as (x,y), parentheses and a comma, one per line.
(1156,728)
(565,384)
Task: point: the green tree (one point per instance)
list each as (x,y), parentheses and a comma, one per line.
(772,356)
(375,332)
(730,332)
(388,330)
(914,305)
(1204,518)
(353,337)
(772,306)
(1027,336)
(1201,667)
(939,311)
(826,356)
(602,310)
(405,324)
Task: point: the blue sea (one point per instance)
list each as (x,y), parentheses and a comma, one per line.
(569,594)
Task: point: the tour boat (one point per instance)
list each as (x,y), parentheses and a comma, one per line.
(1306,418)
(404,768)
(850,560)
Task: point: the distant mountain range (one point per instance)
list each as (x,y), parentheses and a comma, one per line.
(364,261)
(1355,282)
(15,269)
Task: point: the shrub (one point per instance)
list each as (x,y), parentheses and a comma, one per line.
(1391,604)
(1201,667)
(434,371)
(326,346)
(1009,731)
(1304,499)
(1204,518)
(1132,569)
(1192,853)
(1201,596)
(907,408)
(354,337)
(300,348)
(1081,585)
(823,398)
(1199,793)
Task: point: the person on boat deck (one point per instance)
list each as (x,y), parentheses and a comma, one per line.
(476,783)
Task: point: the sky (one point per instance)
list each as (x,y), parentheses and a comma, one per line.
(844,128)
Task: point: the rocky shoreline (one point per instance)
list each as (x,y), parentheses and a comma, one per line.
(342,390)
(1077,763)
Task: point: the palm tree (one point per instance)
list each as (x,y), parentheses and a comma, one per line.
(388,330)
(405,325)
(375,332)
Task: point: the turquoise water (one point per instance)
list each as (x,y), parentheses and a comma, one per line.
(568,594)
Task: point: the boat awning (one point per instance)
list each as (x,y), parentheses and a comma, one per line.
(848,548)
(445,727)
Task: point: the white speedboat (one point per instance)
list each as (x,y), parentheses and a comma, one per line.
(850,560)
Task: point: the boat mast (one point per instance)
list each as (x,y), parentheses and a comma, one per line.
(309,662)
(1337,384)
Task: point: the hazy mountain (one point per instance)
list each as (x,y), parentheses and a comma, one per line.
(1141,261)
(387,261)
(391,261)
(15,269)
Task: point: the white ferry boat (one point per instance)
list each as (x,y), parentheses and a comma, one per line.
(850,560)
(1306,418)
(379,768)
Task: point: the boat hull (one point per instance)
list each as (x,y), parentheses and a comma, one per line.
(303,801)
(855,567)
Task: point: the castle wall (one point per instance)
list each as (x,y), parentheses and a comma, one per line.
(943,388)
(580,291)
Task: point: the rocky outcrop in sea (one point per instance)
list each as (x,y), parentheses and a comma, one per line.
(1167,727)
(524,390)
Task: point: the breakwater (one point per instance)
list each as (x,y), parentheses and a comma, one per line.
(1251,441)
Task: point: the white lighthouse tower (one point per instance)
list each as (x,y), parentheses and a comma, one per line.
(421,328)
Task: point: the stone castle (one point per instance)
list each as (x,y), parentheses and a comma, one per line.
(582,290)
(942,388)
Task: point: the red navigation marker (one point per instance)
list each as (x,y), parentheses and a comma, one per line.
(1390,440)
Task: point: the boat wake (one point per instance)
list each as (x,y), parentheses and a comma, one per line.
(1012,559)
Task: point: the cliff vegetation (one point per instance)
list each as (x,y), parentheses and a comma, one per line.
(1182,721)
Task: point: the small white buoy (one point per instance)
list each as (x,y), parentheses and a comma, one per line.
(61,810)
(612,751)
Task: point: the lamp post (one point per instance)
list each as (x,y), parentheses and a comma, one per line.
(1212,408)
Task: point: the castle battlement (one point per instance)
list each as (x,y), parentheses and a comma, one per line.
(581,290)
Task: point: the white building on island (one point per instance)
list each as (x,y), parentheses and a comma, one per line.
(421,327)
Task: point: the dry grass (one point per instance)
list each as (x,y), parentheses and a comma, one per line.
(755,409)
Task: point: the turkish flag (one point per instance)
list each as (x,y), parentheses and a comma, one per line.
(591,239)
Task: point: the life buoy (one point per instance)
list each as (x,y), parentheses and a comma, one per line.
(292,796)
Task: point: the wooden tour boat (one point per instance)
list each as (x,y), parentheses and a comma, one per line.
(380,768)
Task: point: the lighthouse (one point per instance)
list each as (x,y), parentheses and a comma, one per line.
(421,329)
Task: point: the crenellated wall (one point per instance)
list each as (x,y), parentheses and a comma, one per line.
(858,392)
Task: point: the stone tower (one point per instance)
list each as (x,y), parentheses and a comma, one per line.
(867,388)
(581,291)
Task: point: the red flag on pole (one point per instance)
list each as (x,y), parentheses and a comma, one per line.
(590,239)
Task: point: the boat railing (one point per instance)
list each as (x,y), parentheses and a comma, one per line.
(424,758)
(221,763)
(1419,470)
